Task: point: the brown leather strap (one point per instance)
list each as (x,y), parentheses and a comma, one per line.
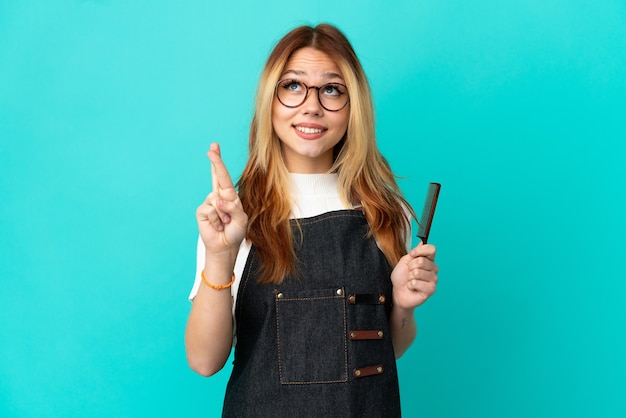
(367,371)
(366,334)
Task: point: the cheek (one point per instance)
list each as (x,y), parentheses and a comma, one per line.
(277,120)
(280,113)
(342,121)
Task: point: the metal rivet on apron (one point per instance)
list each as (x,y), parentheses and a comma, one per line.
(379,369)
(380,334)
(381,298)
(279,296)
(357,372)
(352,334)
(339,292)
(352,298)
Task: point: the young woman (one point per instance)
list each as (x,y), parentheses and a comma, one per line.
(312,244)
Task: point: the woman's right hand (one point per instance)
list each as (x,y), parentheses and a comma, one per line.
(221,219)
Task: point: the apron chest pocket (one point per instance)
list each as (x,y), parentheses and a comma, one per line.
(311,336)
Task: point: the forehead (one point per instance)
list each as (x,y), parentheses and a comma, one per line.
(312,63)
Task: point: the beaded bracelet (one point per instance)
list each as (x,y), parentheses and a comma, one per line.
(215,286)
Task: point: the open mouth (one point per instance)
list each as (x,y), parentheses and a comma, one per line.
(309,131)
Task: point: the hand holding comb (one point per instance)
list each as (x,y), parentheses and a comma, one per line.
(428,212)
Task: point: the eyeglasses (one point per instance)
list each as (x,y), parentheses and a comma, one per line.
(332,96)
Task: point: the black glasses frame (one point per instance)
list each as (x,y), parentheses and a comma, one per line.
(306,94)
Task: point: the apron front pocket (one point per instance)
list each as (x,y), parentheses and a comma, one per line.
(311,336)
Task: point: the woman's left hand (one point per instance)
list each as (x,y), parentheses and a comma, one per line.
(414,278)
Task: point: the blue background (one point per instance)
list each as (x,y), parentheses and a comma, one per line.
(516,107)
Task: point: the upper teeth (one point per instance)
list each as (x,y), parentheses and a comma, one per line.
(308,130)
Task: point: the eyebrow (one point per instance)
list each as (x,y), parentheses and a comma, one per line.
(326,75)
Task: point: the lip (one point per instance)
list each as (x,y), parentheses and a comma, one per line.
(320,130)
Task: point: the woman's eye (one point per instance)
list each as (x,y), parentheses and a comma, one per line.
(332,90)
(292,85)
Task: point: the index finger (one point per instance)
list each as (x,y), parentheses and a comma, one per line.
(220,176)
(424,250)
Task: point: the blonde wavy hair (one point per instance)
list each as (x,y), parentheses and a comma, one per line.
(365,176)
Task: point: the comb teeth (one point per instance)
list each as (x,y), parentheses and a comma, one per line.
(428,212)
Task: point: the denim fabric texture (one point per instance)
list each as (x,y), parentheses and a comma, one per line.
(294,356)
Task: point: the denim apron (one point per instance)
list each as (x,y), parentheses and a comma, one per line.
(319,344)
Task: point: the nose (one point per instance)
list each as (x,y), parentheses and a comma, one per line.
(312,103)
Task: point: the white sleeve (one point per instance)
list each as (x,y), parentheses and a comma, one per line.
(200,258)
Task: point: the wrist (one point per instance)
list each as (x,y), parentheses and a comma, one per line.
(217,286)
(218,270)
(225,259)
(407,313)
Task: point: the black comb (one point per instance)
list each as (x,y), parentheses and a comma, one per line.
(429,211)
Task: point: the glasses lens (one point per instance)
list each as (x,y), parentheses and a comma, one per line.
(333,96)
(291,93)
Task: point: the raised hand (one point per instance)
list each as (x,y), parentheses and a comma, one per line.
(221,219)
(415,277)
